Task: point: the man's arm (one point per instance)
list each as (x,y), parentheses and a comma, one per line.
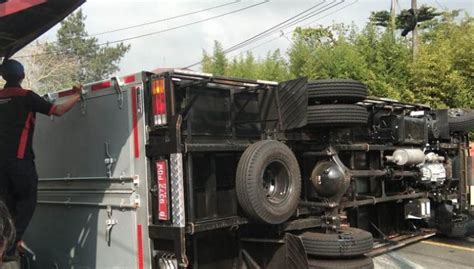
(61,109)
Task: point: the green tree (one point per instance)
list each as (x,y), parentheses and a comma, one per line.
(443,73)
(95,61)
(406,20)
(272,67)
(215,63)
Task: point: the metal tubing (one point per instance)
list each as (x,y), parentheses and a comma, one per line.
(190,187)
(66,203)
(368,173)
(318,204)
(88,178)
(377,200)
(402,243)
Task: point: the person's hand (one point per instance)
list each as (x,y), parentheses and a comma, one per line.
(77,89)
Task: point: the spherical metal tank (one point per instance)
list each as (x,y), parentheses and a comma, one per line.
(327,179)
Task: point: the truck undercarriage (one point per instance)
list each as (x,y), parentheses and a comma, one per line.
(189,170)
(384,166)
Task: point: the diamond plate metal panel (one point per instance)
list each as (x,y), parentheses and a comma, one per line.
(177,190)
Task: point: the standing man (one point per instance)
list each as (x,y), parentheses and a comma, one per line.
(18,177)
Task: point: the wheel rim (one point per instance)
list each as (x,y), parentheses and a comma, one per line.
(276,182)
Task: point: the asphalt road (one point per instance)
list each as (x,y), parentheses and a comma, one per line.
(433,253)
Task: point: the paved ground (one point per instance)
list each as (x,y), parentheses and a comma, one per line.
(430,254)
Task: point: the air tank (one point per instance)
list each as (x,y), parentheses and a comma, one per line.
(407,157)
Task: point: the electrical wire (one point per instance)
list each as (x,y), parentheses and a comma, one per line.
(287,23)
(165,19)
(185,25)
(306,17)
(289,32)
(441,6)
(271,29)
(158,21)
(164,30)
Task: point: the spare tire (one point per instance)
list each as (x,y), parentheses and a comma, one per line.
(337,115)
(462,227)
(346,242)
(346,91)
(462,123)
(355,263)
(268,182)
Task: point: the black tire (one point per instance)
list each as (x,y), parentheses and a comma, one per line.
(461,228)
(337,115)
(462,123)
(347,242)
(345,91)
(355,263)
(268,182)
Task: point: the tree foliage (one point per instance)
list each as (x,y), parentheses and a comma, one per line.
(74,57)
(441,75)
(406,20)
(272,67)
(95,61)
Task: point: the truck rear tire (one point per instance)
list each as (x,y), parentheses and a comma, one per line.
(337,115)
(462,123)
(347,242)
(346,91)
(268,182)
(462,228)
(355,263)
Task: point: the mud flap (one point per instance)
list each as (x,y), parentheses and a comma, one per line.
(288,253)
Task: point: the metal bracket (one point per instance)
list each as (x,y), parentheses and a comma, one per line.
(118,89)
(109,160)
(110,224)
(83,104)
(52,97)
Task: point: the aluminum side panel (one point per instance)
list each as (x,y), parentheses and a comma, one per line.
(74,237)
(74,145)
(69,225)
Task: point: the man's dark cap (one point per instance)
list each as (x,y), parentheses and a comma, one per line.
(12,67)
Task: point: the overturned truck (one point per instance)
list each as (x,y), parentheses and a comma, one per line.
(189,170)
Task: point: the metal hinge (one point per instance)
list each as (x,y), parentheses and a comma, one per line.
(110,223)
(109,160)
(118,89)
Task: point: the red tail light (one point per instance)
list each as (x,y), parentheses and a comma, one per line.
(162,183)
(159,102)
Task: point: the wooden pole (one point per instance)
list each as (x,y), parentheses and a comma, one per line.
(414,46)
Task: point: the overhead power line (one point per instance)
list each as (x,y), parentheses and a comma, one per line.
(185,25)
(158,21)
(165,19)
(289,32)
(302,16)
(271,29)
(165,30)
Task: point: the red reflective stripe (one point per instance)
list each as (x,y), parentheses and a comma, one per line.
(52,110)
(129,79)
(66,93)
(135,121)
(102,85)
(24,137)
(14,6)
(140,246)
(12,92)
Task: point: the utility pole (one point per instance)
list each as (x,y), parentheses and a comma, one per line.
(393,13)
(414,45)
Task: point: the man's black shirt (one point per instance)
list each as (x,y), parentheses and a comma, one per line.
(18,108)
